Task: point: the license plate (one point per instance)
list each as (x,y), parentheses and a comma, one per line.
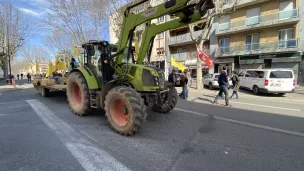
(275,85)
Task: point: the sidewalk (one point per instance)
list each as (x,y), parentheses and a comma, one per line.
(6,88)
(20,85)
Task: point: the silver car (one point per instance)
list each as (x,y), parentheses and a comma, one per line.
(211,80)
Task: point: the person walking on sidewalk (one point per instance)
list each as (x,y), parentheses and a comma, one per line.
(21,76)
(236,85)
(172,77)
(224,85)
(183,84)
(18,76)
(29,77)
(188,83)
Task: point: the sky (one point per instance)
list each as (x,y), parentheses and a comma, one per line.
(34,9)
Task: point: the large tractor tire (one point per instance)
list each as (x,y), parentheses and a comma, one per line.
(78,94)
(167,103)
(125,110)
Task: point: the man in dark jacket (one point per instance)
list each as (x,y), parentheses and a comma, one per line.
(236,84)
(223,85)
(172,77)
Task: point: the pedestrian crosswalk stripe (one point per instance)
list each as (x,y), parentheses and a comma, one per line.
(89,155)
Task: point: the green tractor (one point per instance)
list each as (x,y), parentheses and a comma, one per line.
(119,84)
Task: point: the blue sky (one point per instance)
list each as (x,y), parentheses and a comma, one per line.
(34,9)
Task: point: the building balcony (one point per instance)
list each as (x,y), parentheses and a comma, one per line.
(184,56)
(259,48)
(259,22)
(241,3)
(183,39)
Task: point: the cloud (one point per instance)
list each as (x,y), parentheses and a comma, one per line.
(30,12)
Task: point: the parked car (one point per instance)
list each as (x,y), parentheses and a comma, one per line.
(211,80)
(279,81)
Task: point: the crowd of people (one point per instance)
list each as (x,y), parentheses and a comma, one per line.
(223,80)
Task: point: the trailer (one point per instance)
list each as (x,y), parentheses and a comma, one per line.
(45,86)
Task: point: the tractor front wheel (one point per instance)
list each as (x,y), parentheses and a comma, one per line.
(78,94)
(169,101)
(125,110)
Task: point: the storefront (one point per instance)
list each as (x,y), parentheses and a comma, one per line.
(192,66)
(268,61)
(224,63)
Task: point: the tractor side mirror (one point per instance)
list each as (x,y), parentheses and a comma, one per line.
(90,50)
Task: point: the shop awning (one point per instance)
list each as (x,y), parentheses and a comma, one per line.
(192,62)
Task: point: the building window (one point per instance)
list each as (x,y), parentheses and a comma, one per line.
(224,23)
(253,16)
(252,42)
(181,32)
(287,38)
(160,51)
(224,45)
(160,35)
(287,10)
(161,19)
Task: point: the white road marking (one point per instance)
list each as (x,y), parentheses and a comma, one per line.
(88,155)
(245,123)
(251,104)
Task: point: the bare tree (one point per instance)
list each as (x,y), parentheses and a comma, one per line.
(58,42)
(13,31)
(31,54)
(19,66)
(212,14)
(81,20)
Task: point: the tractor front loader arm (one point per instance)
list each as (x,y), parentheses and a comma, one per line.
(153,29)
(132,20)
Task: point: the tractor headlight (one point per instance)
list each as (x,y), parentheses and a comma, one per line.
(153,72)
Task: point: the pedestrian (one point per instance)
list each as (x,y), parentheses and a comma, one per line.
(236,84)
(18,76)
(172,77)
(182,83)
(188,83)
(29,77)
(223,85)
(21,76)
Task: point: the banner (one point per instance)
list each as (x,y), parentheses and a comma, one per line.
(178,65)
(77,52)
(204,57)
(136,49)
(37,67)
(59,64)
(50,70)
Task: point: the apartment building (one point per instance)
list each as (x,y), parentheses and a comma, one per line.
(158,56)
(261,34)
(182,48)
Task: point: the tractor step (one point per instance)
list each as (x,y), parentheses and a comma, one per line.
(94,100)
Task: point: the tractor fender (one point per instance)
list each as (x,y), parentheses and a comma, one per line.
(89,77)
(109,86)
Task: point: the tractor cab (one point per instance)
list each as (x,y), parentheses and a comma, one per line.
(97,57)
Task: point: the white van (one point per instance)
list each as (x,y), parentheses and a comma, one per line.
(279,81)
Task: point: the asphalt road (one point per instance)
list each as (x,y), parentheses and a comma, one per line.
(43,134)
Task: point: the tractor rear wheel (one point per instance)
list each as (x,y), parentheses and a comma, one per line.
(125,110)
(78,94)
(167,103)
